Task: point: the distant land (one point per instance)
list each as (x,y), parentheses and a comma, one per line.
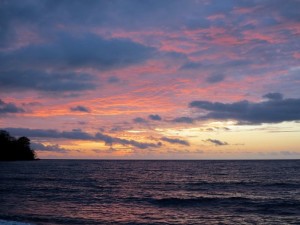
(15,149)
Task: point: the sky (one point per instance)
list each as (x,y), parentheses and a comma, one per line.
(146,79)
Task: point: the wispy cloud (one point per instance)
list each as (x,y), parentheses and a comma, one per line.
(216,142)
(175,141)
(77,134)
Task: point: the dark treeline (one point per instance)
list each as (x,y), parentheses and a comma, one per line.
(12,148)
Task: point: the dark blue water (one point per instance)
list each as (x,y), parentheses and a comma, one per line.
(150,192)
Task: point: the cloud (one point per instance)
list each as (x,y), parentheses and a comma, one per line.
(44,18)
(175,141)
(45,15)
(289,153)
(8,18)
(288,11)
(154,117)
(109,140)
(273,96)
(275,110)
(77,134)
(183,120)
(67,51)
(139,120)
(45,81)
(108,14)
(216,142)
(191,66)
(9,108)
(54,66)
(113,80)
(215,78)
(80,108)
(53,148)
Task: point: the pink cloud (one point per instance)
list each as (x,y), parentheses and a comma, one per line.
(244,10)
(296,55)
(273,38)
(216,17)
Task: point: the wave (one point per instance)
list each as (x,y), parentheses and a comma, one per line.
(263,205)
(246,183)
(173,201)
(11,222)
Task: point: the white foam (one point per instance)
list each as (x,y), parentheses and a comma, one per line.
(10,222)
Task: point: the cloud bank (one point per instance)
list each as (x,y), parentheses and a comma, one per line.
(53,148)
(274,110)
(77,134)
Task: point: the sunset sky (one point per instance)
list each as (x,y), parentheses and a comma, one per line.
(152,79)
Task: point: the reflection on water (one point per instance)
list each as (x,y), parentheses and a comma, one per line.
(150,192)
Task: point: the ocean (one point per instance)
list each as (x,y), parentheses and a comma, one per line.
(54,192)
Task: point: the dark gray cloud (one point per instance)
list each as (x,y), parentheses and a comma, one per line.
(139,120)
(114,12)
(216,142)
(183,119)
(9,108)
(113,80)
(274,96)
(45,15)
(45,65)
(52,148)
(191,66)
(215,78)
(154,117)
(109,140)
(78,134)
(134,14)
(75,134)
(275,110)
(175,141)
(288,11)
(27,68)
(66,51)
(80,108)
(13,13)
(44,81)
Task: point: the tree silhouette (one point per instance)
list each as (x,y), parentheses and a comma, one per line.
(15,149)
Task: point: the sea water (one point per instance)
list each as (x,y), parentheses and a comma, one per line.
(53,192)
